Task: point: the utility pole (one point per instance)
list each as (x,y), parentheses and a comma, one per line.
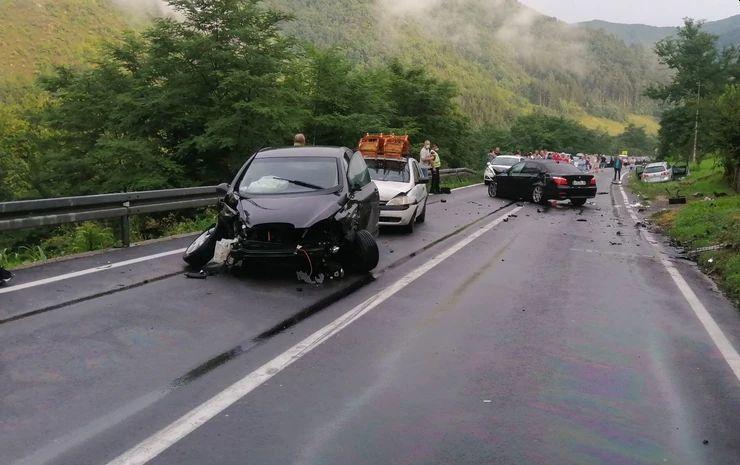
(696,121)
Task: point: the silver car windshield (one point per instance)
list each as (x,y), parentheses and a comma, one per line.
(388,170)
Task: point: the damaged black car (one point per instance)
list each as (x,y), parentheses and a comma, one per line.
(315,206)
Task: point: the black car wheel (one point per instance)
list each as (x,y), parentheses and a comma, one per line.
(538,195)
(366,255)
(201,250)
(493,189)
(423,215)
(578,202)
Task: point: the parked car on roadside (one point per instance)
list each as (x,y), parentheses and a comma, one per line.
(657,172)
(499,164)
(302,204)
(544,180)
(679,170)
(403,191)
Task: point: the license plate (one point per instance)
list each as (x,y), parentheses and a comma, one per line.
(579,183)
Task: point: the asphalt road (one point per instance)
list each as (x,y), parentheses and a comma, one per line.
(495,334)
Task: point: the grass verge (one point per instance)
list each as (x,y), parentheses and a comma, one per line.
(706,220)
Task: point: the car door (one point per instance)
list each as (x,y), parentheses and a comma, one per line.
(530,175)
(420,189)
(363,193)
(513,180)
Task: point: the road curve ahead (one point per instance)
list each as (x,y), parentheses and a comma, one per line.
(497,334)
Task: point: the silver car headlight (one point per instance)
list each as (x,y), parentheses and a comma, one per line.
(400,200)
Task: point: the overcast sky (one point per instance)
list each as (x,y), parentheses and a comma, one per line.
(653,12)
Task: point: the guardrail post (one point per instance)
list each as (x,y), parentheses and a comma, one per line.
(126,227)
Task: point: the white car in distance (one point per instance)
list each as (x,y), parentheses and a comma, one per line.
(499,164)
(403,191)
(657,172)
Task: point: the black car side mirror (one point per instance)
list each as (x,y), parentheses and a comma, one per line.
(222,189)
(423,180)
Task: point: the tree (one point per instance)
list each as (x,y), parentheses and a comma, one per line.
(701,72)
(185,102)
(727,133)
(635,140)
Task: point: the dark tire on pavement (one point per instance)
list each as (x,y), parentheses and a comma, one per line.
(578,202)
(493,189)
(409,228)
(423,215)
(201,250)
(538,195)
(366,255)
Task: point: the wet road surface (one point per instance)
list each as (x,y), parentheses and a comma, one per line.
(556,336)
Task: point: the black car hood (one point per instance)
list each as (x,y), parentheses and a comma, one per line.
(302,211)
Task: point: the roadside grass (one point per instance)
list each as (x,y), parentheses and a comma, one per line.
(706,179)
(703,223)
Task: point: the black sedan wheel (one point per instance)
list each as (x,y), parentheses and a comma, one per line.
(493,189)
(201,251)
(538,195)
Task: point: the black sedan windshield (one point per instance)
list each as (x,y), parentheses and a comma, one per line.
(289,175)
(388,170)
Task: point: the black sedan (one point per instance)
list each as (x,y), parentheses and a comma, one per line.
(309,204)
(544,180)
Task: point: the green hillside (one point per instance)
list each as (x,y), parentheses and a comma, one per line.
(35,35)
(728,31)
(506,59)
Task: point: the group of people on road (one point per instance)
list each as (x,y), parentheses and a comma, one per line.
(430,164)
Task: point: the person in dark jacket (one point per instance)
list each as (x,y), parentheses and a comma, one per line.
(617,170)
(5,276)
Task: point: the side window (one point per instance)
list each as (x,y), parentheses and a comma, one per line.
(357,172)
(516,169)
(531,168)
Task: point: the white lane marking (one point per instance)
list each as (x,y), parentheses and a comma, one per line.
(75,274)
(465,187)
(171,434)
(724,345)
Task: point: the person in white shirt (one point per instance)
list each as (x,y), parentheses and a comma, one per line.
(425,158)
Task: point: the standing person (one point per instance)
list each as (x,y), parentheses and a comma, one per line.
(617,170)
(299,140)
(5,276)
(497,151)
(436,165)
(425,158)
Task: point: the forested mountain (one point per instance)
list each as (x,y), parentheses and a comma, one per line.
(506,59)
(728,31)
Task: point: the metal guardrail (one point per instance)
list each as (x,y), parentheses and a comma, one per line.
(27,214)
(456,171)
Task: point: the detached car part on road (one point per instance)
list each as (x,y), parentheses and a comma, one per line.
(544,180)
(403,191)
(316,206)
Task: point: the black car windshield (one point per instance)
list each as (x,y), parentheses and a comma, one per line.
(505,161)
(655,169)
(561,168)
(388,170)
(289,175)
